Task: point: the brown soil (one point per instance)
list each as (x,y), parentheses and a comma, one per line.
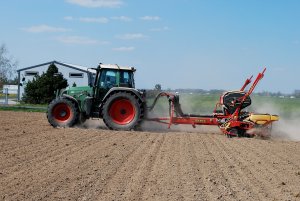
(39,162)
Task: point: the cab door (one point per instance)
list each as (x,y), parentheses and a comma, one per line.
(107,80)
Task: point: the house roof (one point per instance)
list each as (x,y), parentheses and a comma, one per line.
(73,66)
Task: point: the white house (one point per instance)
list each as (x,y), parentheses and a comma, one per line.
(10,89)
(80,75)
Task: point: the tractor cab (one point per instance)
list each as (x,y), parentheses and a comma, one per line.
(116,78)
(109,76)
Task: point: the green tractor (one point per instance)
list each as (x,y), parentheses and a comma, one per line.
(111,96)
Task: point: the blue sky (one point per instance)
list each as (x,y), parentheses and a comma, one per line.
(208,44)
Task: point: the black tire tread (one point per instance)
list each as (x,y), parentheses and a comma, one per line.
(69,123)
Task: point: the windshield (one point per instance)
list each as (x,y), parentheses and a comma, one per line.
(108,78)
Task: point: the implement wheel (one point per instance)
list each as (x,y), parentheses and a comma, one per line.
(122,111)
(237,132)
(62,113)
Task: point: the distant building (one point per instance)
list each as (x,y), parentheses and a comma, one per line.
(79,75)
(297,93)
(10,89)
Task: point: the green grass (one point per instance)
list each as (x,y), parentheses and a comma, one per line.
(10,96)
(24,108)
(190,103)
(285,107)
(198,104)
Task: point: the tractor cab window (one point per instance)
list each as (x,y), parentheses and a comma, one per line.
(108,78)
(126,79)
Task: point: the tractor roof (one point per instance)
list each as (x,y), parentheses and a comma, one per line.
(116,66)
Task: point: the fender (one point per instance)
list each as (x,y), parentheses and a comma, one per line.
(70,98)
(117,89)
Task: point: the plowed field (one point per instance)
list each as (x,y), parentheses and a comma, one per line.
(39,162)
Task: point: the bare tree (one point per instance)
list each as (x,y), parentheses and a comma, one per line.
(8,66)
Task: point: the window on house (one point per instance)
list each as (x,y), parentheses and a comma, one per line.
(31,73)
(76,75)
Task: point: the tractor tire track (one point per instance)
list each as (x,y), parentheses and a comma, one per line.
(59,164)
(212,176)
(273,170)
(241,180)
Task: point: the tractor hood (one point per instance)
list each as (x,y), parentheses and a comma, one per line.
(78,91)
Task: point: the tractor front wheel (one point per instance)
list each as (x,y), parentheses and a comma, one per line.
(62,113)
(122,111)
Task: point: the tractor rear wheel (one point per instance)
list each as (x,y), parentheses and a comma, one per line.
(122,111)
(62,113)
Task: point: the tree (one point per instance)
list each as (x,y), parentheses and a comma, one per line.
(151,93)
(157,87)
(41,90)
(8,66)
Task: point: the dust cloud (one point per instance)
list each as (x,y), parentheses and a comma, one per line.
(287,128)
(162,110)
(93,124)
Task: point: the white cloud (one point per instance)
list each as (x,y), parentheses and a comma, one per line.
(131,36)
(97,3)
(124,49)
(101,20)
(150,18)
(69,18)
(79,40)
(44,28)
(165,28)
(122,18)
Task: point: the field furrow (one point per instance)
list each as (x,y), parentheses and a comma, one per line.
(39,162)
